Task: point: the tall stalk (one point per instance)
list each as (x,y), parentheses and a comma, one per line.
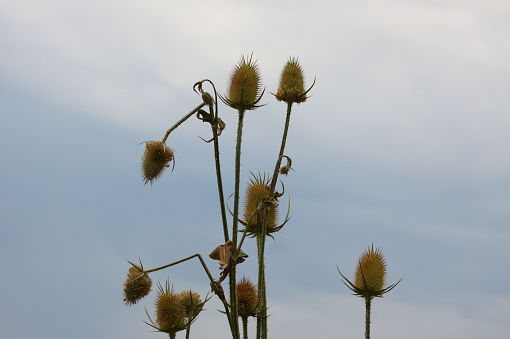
(367,317)
(232,273)
(245,327)
(261,239)
(218,174)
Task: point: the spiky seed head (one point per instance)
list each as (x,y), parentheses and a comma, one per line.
(371,270)
(247,298)
(170,312)
(245,85)
(137,285)
(191,302)
(291,88)
(156,158)
(257,194)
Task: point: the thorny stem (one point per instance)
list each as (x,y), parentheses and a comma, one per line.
(261,288)
(245,327)
(237,177)
(262,318)
(184,118)
(188,329)
(181,261)
(218,176)
(367,317)
(282,148)
(233,287)
(245,232)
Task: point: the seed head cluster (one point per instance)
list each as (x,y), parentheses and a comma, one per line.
(137,286)
(247,298)
(257,193)
(175,311)
(291,88)
(245,85)
(371,270)
(156,158)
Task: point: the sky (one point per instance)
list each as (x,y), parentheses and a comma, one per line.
(403,144)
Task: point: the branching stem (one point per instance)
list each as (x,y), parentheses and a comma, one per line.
(261,239)
(183,119)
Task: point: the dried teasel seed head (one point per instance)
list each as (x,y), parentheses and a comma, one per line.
(137,285)
(371,271)
(256,200)
(291,88)
(156,158)
(191,303)
(245,85)
(170,312)
(247,298)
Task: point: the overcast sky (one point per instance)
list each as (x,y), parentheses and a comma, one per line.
(404,143)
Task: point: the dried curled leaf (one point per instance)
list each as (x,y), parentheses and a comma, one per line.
(223,254)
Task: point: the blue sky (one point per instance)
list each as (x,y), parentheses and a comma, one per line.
(403,144)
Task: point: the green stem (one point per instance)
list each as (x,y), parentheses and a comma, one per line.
(183,119)
(218,177)
(282,148)
(262,318)
(181,261)
(245,327)
(237,176)
(261,290)
(367,317)
(233,262)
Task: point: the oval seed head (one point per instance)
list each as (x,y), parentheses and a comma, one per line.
(292,83)
(245,85)
(155,159)
(170,312)
(137,286)
(371,271)
(256,200)
(247,298)
(191,302)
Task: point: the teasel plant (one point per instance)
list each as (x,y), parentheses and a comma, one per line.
(244,299)
(369,280)
(175,311)
(247,302)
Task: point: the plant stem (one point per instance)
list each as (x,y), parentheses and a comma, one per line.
(262,318)
(183,119)
(282,148)
(181,261)
(367,317)
(233,262)
(218,177)
(261,289)
(237,176)
(245,327)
